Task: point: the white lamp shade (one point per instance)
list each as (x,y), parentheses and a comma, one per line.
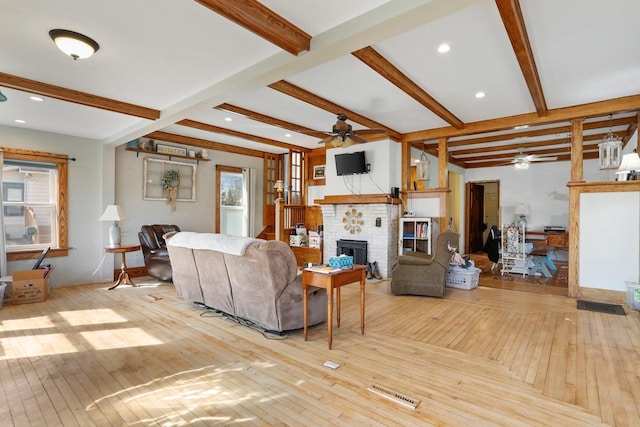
(522,209)
(113,213)
(630,162)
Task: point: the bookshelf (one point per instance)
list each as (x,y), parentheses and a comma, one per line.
(416,234)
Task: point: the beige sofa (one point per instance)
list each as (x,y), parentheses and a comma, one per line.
(251,279)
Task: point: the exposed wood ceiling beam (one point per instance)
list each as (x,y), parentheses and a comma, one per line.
(524,145)
(216,129)
(262,21)
(271,120)
(77,97)
(516,29)
(594,109)
(310,98)
(494,163)
(386,69)
(203,143)
(556,151)
(541,132)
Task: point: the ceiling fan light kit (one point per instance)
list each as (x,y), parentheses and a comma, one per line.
(74,44)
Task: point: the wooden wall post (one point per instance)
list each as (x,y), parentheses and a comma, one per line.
(280,218)
(577,175)
(443,159)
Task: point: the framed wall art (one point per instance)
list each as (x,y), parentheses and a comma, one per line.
(318,172)
(164,179)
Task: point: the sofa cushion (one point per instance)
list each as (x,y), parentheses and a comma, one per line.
(234,245)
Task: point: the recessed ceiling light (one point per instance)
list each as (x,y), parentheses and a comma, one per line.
(20,121)
(444,48)
(287,135)
(480,95)
(228,119)
(36,98)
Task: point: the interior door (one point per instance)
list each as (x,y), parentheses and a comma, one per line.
(475,208)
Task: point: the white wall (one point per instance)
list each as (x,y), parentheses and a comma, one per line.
(382,156)
(85,232)
(609,235)
(189,216)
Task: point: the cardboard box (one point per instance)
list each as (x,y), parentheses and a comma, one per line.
(30,286)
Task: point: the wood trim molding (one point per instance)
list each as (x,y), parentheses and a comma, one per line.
(386,69)
(310,98)
(363,199)
(216,129)
(35,254)
(262,21)
(575,191)
(513,21)
(203,143)
(77,97)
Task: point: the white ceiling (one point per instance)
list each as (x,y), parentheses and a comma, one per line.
(183,59)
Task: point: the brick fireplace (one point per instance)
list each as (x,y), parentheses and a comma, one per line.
(356,218)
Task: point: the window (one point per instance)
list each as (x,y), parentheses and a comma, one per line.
(34,187)
(295,195)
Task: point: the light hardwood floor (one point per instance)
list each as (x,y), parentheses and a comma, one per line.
(139,356)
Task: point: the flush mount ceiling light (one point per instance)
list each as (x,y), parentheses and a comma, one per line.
(74,44)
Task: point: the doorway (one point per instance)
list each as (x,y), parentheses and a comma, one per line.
(483,211)
(234,210)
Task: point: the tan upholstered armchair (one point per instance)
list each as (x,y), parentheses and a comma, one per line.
(417,273)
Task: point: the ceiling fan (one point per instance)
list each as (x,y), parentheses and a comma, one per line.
(522,161)
(342,134)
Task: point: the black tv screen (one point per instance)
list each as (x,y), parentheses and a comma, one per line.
(351,163)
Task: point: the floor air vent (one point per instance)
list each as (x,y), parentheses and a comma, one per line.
(395,396)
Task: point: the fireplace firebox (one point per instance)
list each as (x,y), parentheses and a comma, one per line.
(355,248)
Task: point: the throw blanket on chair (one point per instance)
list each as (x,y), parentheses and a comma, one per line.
(234,245)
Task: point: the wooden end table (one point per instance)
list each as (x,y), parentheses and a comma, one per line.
(124,275)
(331,281)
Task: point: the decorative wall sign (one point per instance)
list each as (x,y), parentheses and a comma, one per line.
(168,149)
(353,221)
(169,180)
(318,172)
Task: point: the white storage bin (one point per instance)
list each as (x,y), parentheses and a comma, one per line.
(633,295)
(463,278)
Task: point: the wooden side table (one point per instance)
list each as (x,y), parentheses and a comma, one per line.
(330,282)
(124,275)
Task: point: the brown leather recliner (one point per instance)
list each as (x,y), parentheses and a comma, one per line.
(154,250)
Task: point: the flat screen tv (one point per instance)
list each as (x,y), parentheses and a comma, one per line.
(351,163)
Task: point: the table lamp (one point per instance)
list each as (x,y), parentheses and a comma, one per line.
(522,210)
(629,167)
(113,213)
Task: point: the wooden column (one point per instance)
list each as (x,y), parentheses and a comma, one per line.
(280,218)
(577,176)
(443,181)
(576,150)
(443,158)
(406,170)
